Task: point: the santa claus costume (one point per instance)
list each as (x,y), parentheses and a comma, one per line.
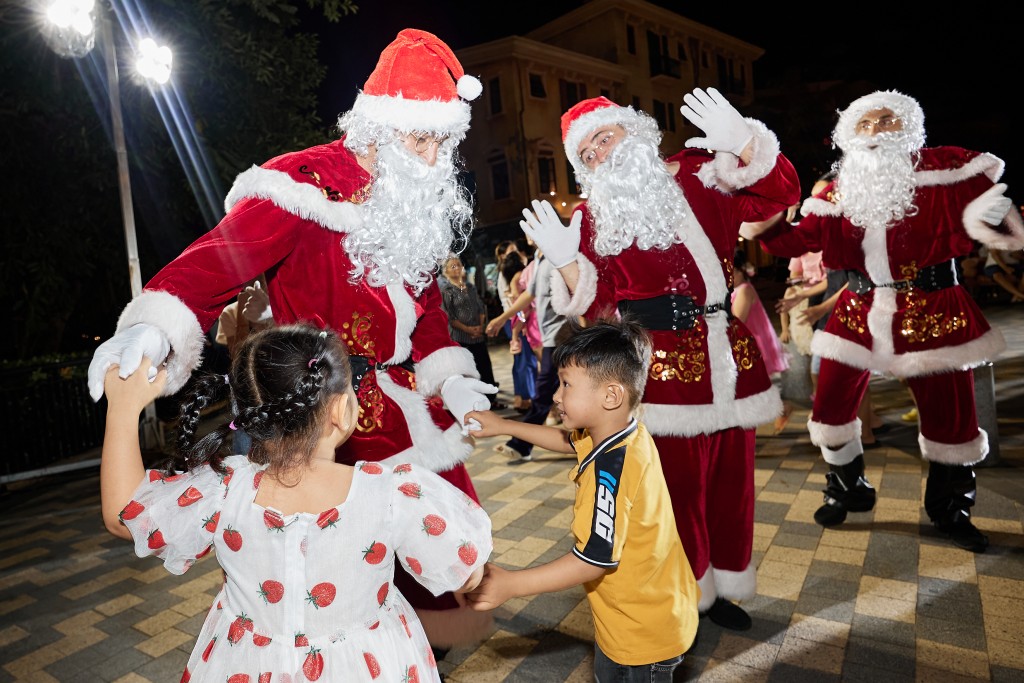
(707,387)
(898,216)
(311,221)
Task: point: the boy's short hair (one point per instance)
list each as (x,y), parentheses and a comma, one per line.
(619,350)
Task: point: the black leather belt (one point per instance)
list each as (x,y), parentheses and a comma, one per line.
(671,311)
(928,279)
(362,365)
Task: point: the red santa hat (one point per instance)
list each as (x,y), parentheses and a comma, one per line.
(587,116)
(418,85)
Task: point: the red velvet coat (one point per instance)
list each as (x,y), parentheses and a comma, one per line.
(915,332)
(287,219)
(712,376)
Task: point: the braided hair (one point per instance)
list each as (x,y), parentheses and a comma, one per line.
(281,384)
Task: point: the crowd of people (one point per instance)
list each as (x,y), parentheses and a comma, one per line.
(352,540)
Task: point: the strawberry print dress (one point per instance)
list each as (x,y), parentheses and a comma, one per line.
(311,597)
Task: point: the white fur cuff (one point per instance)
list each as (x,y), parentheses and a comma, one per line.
(739,585)
(969,453)
(432,371)
(579,301)
(988,235)
(725,173)
(179,324)
(832,436)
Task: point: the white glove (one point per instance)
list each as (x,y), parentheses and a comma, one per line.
(558,243)
(724,128)
(464,394)
(994,204)
(126,350)
(257,304)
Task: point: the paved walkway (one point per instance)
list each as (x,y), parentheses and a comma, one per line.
(879,599)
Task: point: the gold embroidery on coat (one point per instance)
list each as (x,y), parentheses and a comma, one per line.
(744,353)
(356,334)
(687,363)
(919,326)
(851,313)
(371,408)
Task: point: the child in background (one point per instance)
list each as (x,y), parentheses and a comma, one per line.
(748,309)
(627,555)
(308,546)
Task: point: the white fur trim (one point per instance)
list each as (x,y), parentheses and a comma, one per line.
(876,256)
(664,419)
(815,206)
(986,163)
(832,436)
(300,199)
(405,321)
(433,370)
(880,317)
(725,174)
(579,301)
(469,87)
(845,454)
(407,115)
(739,585)
(986,234)
(178,323)
(969,453)
(914,363)
(708,594)
(432,448)
(455,627)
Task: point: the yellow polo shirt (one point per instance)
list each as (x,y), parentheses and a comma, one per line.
(645,605)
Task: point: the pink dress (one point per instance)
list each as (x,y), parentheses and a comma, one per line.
(775,358)
(530,328)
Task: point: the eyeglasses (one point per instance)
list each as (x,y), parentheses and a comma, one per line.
(421,142)
(604,139)
(886,124)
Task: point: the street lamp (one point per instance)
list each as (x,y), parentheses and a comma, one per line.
(70,32)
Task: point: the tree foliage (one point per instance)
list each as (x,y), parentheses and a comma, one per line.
(245,86)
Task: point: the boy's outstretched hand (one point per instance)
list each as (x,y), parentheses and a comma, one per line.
(134,392)
(491,424)
(493,591)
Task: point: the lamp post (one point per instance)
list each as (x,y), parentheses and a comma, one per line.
(70,32)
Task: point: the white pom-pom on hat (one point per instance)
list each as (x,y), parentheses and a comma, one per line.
(469,87)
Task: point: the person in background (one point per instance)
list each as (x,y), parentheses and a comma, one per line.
(513,267)
(627,553)
(1006,268)
(467,316)
(897,218)
(292,389)
(247,314)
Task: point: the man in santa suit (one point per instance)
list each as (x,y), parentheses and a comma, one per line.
(897,216)
(350,235)
(655,240)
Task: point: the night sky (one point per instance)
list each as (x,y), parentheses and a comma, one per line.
(961,68)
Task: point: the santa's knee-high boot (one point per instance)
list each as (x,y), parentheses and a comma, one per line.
(846,490)
(948,498)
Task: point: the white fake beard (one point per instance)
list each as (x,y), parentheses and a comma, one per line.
(416,216)
(632,197)
(876,184)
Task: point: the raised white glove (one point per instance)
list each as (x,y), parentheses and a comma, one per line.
(126,350)
(464,394)
(724,128)
(994,204)
(257,304)
(559,243)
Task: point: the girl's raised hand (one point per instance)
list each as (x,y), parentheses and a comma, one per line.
(134,392)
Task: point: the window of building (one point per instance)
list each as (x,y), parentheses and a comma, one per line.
(571,92)
(570,173)
(681,49)
(630,39)
(537,86)
(494,94)
(705,60)
(661,64)
(500,186)
(636,103)
(671,116)
(659,114)
(547,182)
(724,73)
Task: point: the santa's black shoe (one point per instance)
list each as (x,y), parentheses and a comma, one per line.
(729,615)
(846,490)
(963,533)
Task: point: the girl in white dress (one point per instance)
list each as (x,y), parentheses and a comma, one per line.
(308,546)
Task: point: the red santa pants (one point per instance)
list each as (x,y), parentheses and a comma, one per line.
(711,480)
(945,405)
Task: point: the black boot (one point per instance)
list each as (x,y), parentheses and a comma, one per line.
(948,498)
(846,490)
(729,615)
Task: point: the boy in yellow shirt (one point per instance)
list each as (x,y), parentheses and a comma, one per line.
(627,555)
